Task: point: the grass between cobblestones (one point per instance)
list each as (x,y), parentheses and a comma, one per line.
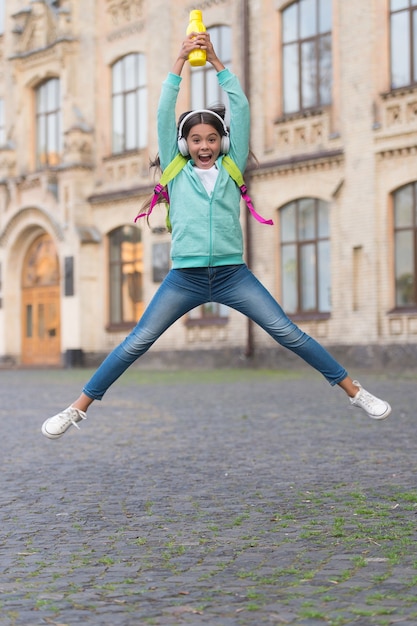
(196,522)
(336,548)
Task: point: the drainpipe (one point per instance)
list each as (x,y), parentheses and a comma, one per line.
(249,350)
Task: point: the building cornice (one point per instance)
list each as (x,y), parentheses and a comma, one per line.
(119,194)
(313,161)
(41,51)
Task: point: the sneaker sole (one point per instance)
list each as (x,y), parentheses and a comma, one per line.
(384,415)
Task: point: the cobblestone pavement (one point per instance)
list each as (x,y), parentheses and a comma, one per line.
(223,498)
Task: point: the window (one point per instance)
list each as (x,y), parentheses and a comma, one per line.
(205,90)
(307,54)
(209,312)
(305,256)
(126,275)
(129,104)
(403,42)
(48,123)
(2,124)
(405,242)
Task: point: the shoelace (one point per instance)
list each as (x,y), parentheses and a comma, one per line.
(369,400)
(369,403)
(72,414)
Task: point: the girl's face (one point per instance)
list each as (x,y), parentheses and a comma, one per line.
(204,145)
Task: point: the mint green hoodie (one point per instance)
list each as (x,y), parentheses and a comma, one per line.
(206,230)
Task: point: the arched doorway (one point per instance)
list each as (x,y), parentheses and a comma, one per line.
(41,336)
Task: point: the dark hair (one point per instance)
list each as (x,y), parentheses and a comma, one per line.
(203,117)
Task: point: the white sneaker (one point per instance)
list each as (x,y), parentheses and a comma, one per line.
(57,425)
(374,407)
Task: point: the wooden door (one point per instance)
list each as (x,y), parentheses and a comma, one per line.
(41,337)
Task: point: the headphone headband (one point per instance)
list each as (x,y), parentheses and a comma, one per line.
(197,111)
(182,142)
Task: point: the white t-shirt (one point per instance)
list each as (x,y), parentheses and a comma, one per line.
(208,178)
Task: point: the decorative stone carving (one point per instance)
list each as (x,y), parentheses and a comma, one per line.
(78,141)
(394,115)
(7,163)
(397,112)
(304,133)
(40,26)
(77,146)
(124,10)
(412,111)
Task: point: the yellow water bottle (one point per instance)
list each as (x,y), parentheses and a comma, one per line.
(195,25)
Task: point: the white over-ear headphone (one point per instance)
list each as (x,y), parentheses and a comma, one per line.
(182,142)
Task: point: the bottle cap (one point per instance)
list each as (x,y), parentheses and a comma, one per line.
(196,14)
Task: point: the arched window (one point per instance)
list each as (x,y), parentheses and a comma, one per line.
(405,241)
(307,55)
(126,275)
(205,91)
(403,42)
(129,104)
(48,123)
(305,256)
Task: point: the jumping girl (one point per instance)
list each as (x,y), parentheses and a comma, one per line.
(207,245)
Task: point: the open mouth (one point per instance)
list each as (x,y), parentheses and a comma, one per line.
(204,158)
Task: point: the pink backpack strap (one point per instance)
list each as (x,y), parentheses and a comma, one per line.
(158,192)
(248,200)
(161,190)
(237,176)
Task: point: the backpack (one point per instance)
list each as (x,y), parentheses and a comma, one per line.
(174,168)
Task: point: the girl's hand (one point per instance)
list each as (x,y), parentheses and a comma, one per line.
(200,41)
(208,47)
(206,44)
(192,41)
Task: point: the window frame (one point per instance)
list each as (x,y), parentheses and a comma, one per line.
(411,228)
(301,245)
(296,45)
(132,101)
(411,11)
(48,114)
(211,313)
(118,277)
(209,91)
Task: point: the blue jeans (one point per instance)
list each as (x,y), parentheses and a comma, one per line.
(231,285)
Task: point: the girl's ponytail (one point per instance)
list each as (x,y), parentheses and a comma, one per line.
(155,163)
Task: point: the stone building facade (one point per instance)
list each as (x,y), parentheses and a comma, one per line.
(333,93)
